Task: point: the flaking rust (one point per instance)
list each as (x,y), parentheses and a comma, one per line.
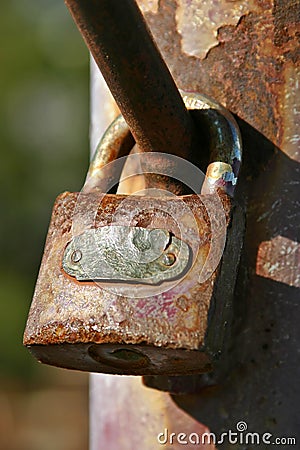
(148,5)
(199,22)
(251,66)
(168,325)
(284,268)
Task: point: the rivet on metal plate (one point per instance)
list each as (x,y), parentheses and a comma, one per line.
(124,253)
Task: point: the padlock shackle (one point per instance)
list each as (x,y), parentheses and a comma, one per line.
(224,141)
(225,147)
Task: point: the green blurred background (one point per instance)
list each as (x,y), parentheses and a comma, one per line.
(44,112)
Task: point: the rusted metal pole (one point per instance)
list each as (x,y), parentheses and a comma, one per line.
(123,48)
(247,59)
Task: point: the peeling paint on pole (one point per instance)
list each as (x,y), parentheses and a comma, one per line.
(199,22)
(290,102)
(279,260)
(148,5)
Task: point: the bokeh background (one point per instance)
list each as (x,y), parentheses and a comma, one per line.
(44,115)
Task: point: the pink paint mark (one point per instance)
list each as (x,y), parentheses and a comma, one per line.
(156,306)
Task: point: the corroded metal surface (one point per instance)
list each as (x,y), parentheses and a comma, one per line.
(215,123)
(254,72)
(67,311)
(253,68)
(127,254)
(285,268)
(198,22)
(122,46)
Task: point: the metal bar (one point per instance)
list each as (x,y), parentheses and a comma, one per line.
(247,60)
(123,48)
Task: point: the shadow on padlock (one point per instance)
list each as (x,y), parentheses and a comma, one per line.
(142,284)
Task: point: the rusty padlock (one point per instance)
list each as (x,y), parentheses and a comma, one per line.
(139,285)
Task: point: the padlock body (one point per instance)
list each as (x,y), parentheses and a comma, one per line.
(88,326)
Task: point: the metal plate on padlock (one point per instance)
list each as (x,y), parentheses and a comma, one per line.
(123,253)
